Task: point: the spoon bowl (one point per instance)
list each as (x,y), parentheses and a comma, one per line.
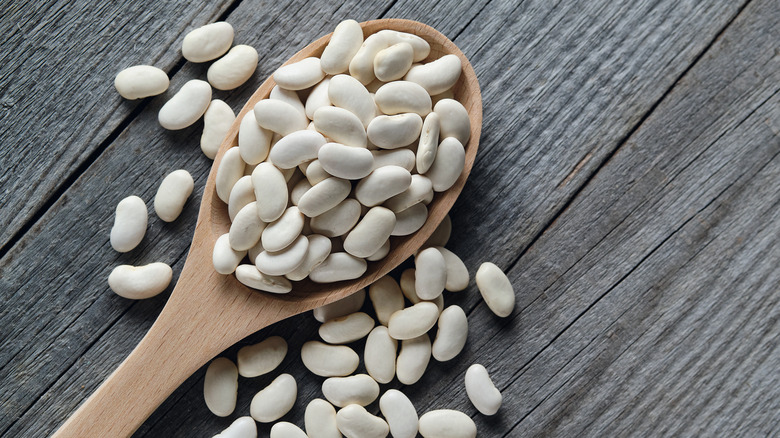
(208,312)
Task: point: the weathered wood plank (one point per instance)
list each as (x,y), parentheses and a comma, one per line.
(57,99)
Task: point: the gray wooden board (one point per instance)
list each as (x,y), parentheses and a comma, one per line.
(543,70)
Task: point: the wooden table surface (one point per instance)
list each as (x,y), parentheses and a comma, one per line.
(628,181)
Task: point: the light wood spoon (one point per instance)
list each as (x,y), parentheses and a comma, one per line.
(208,312)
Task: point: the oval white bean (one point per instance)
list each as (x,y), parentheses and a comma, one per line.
(382,184)
(496,290)
(340,125)
(361,66)
(457,273)
(296,148)
(379,355)
(129,224)
(284,429)
(254,142)
(448,165)
(279,116)
(246,228)
(345,306)
(347,162)
(413,321)
(281,233)
(346,329)
(249,276)
(217,120)
(318,97)
(284,261)
(230,170)
(299,75)
(220,387)
(315,174)
(407,287)
(140,282)
(141,81)
(329,360)
(410,220)
(481,391)
(355,422)
(243,427)
(370,233)
(343,45)
(207,42)
(346,92)
(186,106)
(243,193)
(429,142)
(225,258)
(386,297)
(261,358)
(390,132)
(403,97)
(452,334)
(418,190)
(275,400)
(320,420)
(421,47)
(395,157)
(430,274)
(447,423)
(323,196)
(233,69)
(337,267)
(393,62)
(172,194)
(400,414)
(319,248)
(338,220)
(270,192)
(413,359)
(454,120)
(436,76)
(359,389)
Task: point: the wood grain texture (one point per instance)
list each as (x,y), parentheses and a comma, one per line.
(629,308)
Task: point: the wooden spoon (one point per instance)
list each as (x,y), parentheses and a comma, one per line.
(208,312)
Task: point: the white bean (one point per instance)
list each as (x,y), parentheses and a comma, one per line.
(323,196)
(347,328)
(391,132)
(318,97)
(242,194)
(370,233)
(279,116)
(429,142)
(338,220)
(207,42)
(407,287)
(172,194)
(447,423)
(400,414)
(284,429)
(386,297)
(379,355)
(454,120)
(481,391)
(281,233)
(361,66)
(329,360)
(315,174)
(261,358)
(393,62)
(346,162)
(430,273)
(382,184)
(275,400)
(225,258)
(140,282)
(496,290)
(403,97)
(355,422)
(233,69)
(129,224)
(452,334)
(410,220)
(220,387)
(270,191)
(186,106)
(298,190)
(418,190)
(288,96)
(249,276)
(337,267)
(217,120)
(457,273)
(421,47)
(254,142)
(345,306)
(413,359)
(255,251)
(346,92)
(359,389)
(243,427)
(299,75)
(284,261)
(340,125)
(395,157)
(296,148)
(448,165)
(343,45)
(230,170)
(246,228)
(320,420)
(413,321)
(141,81)
(319,248)
(436,76)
